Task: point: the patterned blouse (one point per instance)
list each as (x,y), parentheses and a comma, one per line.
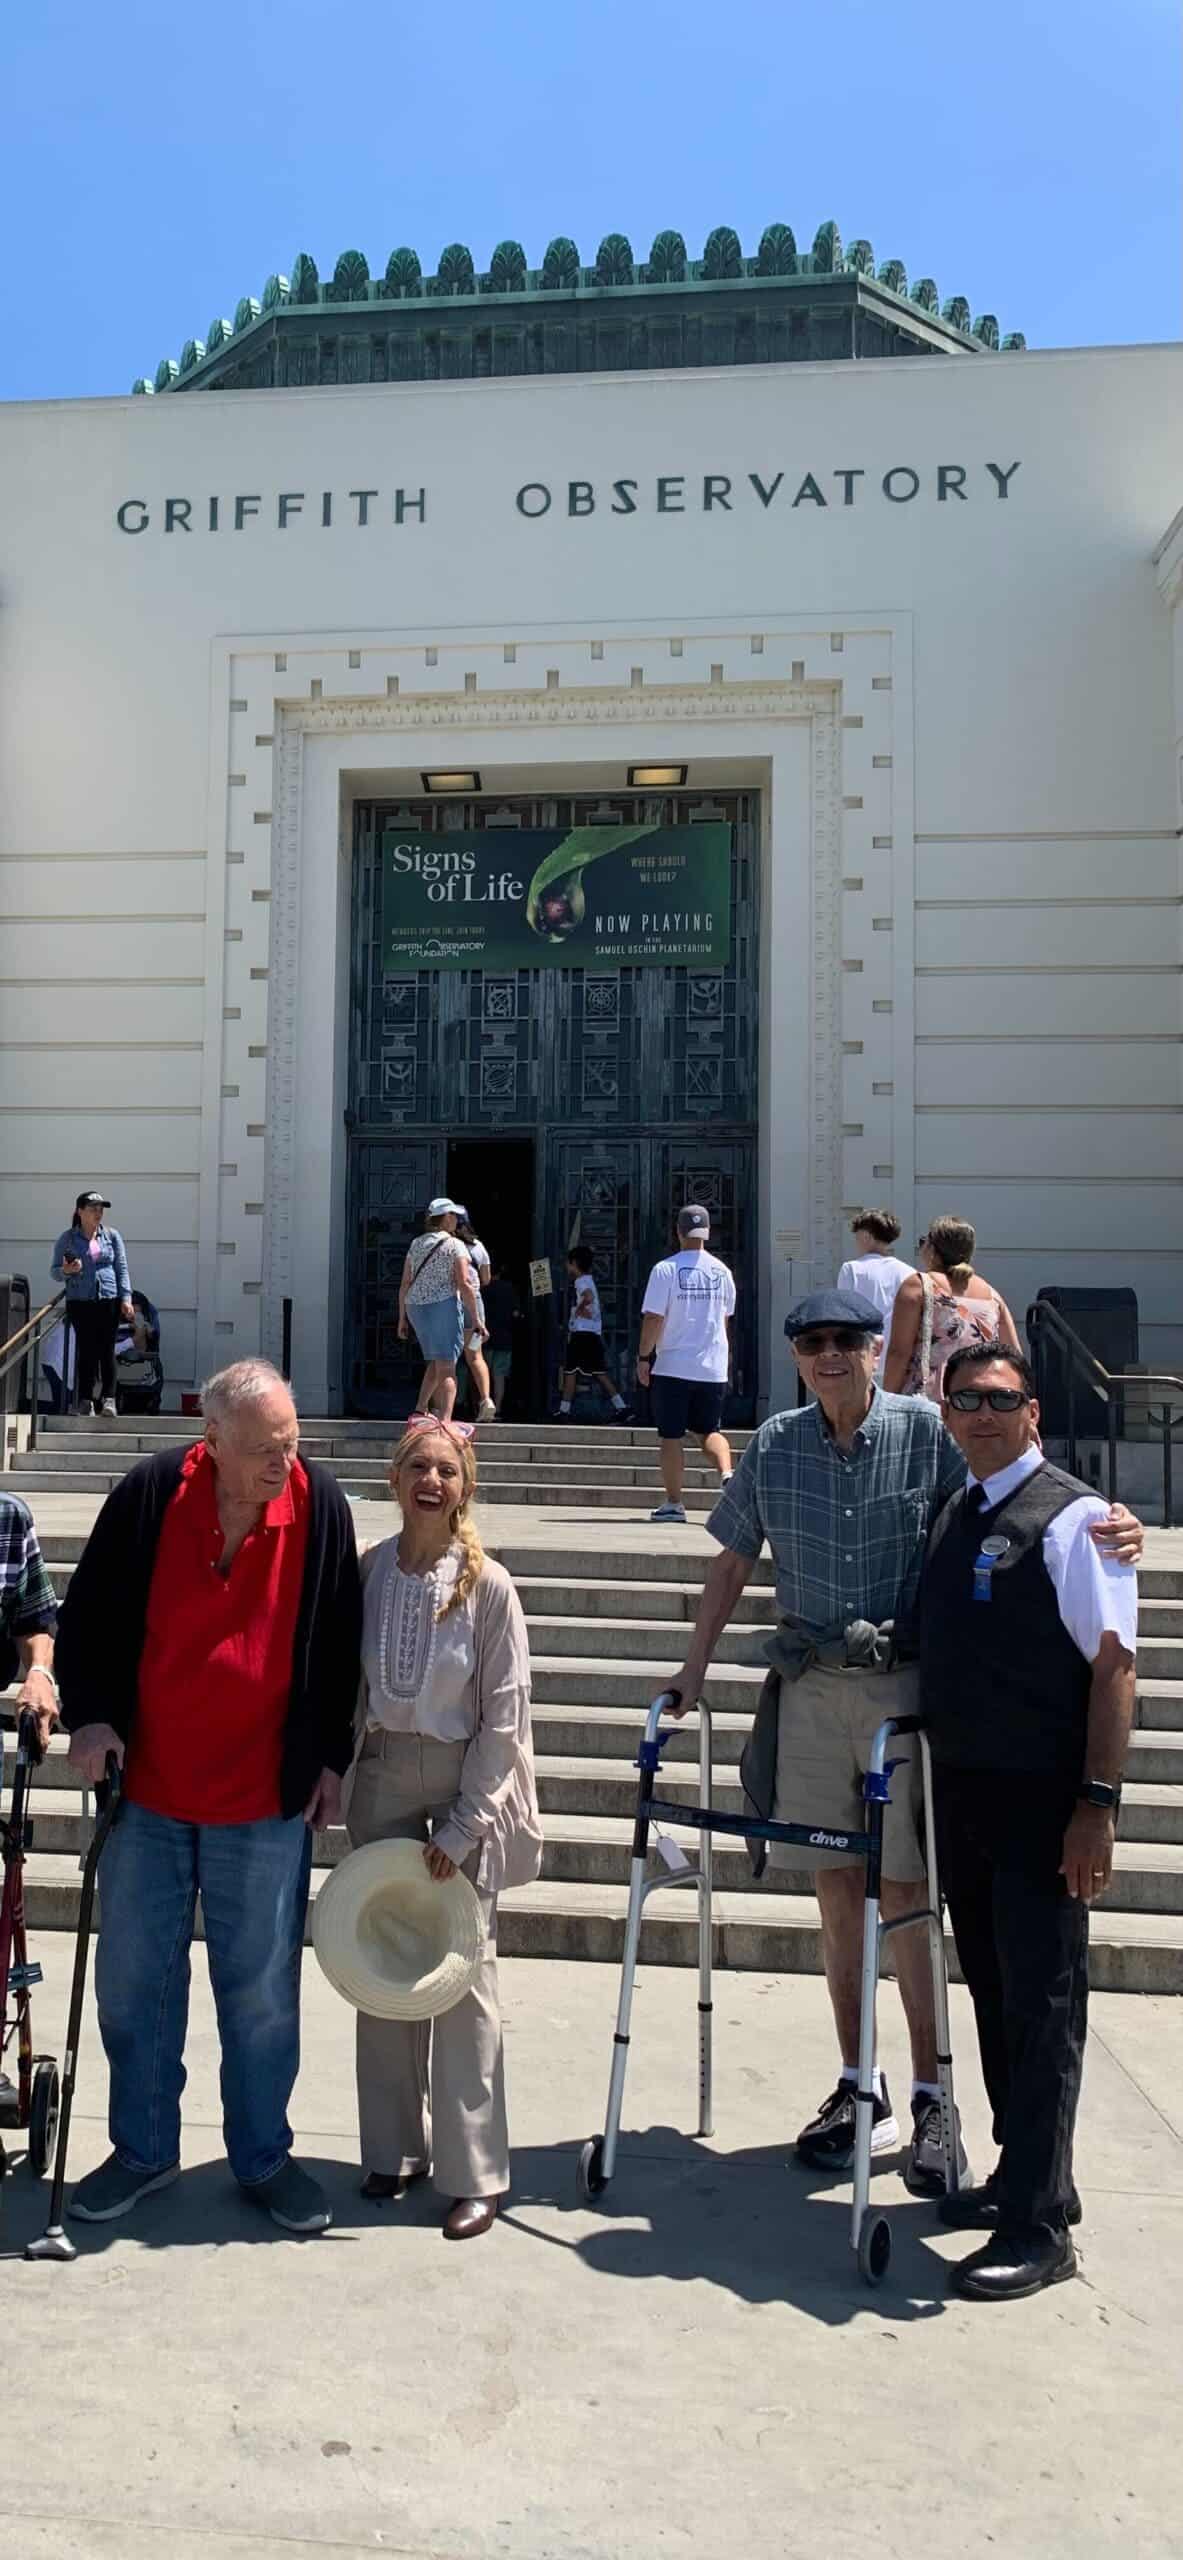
(420,1666)
(956,1324)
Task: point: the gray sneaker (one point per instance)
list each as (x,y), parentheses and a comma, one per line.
(292,2199)
(114,2190)
(669,1511)
(924,2168)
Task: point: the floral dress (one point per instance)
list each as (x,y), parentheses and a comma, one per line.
(947,1324)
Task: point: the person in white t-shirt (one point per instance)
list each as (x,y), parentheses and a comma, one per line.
(873,1270)
(586,1356)
(685,1353)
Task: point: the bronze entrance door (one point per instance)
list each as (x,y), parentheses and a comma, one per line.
(577,1107)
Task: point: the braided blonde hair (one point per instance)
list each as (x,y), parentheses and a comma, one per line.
(463,1531)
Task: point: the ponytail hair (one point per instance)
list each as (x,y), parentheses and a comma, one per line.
(951,1242)
(464,1533)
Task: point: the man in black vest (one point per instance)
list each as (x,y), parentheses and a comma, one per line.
(1027,1641)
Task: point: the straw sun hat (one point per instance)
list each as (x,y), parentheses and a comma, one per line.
(391,1938)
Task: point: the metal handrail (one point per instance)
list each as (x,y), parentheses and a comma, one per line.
(1111,1386)
(29,1339)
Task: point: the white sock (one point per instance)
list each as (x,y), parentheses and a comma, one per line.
(618,1404)
(849,2072)
(565,1406)
(925,2089)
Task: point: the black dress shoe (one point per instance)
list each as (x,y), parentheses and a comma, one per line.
(1015,2264)
(378,2188)
(976,2208)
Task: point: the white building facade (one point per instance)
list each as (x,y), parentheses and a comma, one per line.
(913,626)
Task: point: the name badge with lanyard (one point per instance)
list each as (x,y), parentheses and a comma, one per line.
(989,1553)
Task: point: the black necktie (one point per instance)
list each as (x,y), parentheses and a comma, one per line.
(975,1502)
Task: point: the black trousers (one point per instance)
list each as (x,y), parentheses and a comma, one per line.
(1023,1944)
(94,1323)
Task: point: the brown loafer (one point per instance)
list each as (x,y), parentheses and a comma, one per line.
(378,2188)
(469,2216)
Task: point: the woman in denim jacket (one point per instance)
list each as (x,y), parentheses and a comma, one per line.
(89,1260)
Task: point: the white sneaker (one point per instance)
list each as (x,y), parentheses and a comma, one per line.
(107,1412)
(670,1511)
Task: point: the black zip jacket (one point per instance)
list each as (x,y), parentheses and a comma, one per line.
(101,1627)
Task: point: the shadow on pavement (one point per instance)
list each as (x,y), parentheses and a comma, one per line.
(751,2222)
(205,2209)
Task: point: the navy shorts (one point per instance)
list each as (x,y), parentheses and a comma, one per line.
(585,1352)
(679,1405)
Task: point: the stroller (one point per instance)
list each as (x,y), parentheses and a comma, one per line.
(139,1370)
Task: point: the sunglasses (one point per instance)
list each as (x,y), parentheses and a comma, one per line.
(999,1399)
(845,1337)
(431,1422)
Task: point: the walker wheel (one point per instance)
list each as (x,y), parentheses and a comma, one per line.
(590,2177)
(874,2247)
(43,2117)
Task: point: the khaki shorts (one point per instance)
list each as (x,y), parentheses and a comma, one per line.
(828,1721)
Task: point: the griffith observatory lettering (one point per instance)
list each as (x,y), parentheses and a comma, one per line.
(782,490)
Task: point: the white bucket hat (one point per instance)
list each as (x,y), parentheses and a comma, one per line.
(392,1939)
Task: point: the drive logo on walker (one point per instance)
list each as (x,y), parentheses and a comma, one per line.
(829,1840)
(598,898)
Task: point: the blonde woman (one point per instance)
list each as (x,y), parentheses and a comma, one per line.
(944,1307)
(443,1755)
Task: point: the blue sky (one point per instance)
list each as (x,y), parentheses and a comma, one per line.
(160,163)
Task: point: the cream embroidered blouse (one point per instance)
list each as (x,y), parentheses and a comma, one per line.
(464,1678)
(420,1666)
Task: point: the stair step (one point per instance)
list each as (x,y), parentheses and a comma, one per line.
(1160,1703)
(619,1638)
(755,1931)
(592,1780)
(594,1848)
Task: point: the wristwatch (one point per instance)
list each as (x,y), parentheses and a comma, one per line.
(1098,1791)
(644,1359)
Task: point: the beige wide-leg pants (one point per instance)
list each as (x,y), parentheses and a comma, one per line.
(405,1784)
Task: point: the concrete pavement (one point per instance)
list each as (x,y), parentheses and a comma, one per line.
(695,2369)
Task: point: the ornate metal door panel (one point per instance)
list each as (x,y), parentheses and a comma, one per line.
(389,1187)
(639,1085)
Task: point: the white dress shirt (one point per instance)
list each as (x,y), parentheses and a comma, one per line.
(1095,1594)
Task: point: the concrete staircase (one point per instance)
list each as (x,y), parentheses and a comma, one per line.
(608,1602)
(537,1463)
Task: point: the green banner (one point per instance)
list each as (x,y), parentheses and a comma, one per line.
(530,898)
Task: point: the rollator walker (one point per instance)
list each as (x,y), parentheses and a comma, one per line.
(870,2231)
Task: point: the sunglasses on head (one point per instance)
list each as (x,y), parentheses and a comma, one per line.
(431,1422)
(999,1399)
(841,1337)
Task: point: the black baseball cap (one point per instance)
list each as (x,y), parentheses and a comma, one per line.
(92,1200)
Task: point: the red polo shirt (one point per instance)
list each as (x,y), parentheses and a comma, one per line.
(216,1669)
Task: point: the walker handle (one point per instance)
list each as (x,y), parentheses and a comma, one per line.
(667,1700)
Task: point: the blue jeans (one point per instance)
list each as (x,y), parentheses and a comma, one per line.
(253,1882)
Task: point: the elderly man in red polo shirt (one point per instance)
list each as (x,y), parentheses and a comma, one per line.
(214,1624)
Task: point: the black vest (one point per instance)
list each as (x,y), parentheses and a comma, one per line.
(1003,1686)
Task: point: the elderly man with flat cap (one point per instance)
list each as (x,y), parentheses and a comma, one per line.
(845,1491)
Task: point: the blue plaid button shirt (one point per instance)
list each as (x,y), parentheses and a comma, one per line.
(846,1530)
(27,1605)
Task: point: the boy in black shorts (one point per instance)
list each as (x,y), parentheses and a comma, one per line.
(585,1337)
(685,1353)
